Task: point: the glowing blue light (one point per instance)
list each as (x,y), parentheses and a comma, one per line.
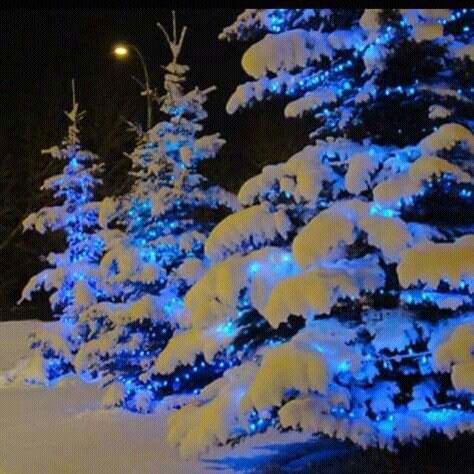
(344,366)
(378,210)
(440,415)
(226,329)
(386,426)
(254,267)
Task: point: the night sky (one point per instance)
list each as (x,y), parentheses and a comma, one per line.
(41,50)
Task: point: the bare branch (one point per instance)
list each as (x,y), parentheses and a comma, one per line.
(174,25)
(165,33)
(140,83)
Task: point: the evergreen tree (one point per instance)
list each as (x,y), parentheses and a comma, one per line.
(158,251)
(73,279)
(340,299)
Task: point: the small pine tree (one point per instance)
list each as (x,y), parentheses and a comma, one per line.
(73,278)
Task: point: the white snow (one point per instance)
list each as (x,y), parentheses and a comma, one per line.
(255,224)
(461,50)
(214,298)
(302,177)
(65,429)
(438,111)
(316,291)
(183,348)
(284,367)
(370,19)
(288,50)
(374,58)
(213,416)
(325,237)
(430,263)
(361,166)
(427,31)
(455,354)
(410,182)
(346,39)
(448,135)
(313,99)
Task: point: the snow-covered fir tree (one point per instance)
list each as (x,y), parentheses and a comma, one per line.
(158,252)
(340,299)
(73,278)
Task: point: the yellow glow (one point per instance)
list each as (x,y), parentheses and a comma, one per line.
(121,50)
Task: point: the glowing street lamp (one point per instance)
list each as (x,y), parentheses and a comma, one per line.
(121,51)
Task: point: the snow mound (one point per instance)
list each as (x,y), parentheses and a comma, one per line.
(287,50)
(214,416)
(455,354)
(214,298)
(316,291)
(302,177)
(256,225)
(411,182)
(432,263)
(447,136)
(282,368)
(326,236)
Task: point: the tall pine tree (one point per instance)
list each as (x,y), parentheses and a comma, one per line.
(343,292)
(159,253)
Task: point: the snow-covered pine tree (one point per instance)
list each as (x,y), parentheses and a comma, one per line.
(73,278)
(343,292)
(164,222)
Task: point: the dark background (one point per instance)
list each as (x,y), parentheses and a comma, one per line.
(41,50)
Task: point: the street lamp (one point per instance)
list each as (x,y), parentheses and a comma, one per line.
(121,50)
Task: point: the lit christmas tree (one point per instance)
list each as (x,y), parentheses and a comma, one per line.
(73,278)
(163,223)
(340,300)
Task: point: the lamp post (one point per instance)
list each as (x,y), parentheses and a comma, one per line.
(121,50)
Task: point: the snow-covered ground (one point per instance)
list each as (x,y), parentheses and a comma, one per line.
(64,430)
